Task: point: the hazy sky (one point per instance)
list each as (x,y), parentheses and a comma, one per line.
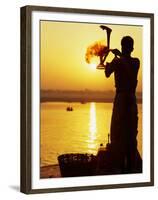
(63,48)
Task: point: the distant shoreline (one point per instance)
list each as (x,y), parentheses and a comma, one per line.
(47,100)
(84,96)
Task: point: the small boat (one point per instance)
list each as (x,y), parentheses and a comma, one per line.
(69,108)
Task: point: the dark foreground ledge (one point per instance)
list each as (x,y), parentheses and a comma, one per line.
(105,163)
(50,171)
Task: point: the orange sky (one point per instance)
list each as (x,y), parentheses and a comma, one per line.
(63,48)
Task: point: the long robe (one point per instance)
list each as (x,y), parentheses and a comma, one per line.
(124,121)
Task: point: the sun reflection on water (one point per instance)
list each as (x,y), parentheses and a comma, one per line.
(92,127)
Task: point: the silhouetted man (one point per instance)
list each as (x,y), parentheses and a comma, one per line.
(124,117)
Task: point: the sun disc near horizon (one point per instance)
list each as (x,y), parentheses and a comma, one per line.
(93,66)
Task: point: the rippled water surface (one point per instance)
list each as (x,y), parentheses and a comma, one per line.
(78,131)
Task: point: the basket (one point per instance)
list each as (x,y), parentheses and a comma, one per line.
(72,165)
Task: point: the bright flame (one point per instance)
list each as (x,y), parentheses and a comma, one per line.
(97,49)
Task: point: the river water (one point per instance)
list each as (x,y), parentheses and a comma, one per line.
(79,131)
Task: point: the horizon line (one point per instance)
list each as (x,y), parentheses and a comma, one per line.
(67,90)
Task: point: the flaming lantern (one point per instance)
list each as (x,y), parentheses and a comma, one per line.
(98,49)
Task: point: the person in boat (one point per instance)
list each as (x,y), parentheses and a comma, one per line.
(124,121)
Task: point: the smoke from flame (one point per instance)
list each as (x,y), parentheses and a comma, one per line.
(96,49)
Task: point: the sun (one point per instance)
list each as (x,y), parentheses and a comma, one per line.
(93,66)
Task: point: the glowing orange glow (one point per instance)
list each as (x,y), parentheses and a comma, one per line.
(63,48)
